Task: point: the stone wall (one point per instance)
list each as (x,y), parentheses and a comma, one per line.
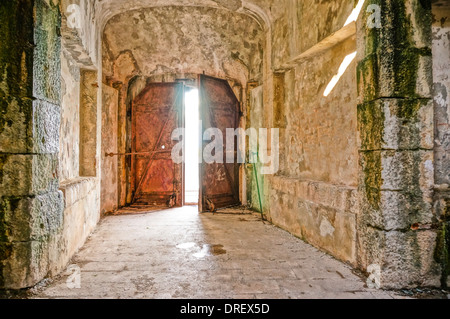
(441,79)
(31,206)
(292,32)
(314,194)
(46,209)
(397,230)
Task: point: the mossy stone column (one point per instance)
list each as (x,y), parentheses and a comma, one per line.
(397,232)
(31,207)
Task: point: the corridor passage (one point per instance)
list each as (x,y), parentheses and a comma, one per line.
(178,254)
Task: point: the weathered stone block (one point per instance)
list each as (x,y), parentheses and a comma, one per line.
(318,214)
(371,123)
(405,171)
(16,50)
(46,125)
(80,220)
(405,73)
(58,255)
(408,124)
(16,175)
(15,125)
(32,218)
(408,170)
(399,211)
(27,264)
(442,163)
(403,24)
(370,180)
(45,173)
(47,52)
(406,258)
(395,58)
(367,74)
(329,229)
(399,73)
(396,124)
(77,189)
(26,175)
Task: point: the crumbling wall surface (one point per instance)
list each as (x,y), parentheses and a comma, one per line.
(441,79)
(397,230)
(31,206)
(262,10)
(186,40)
(303,24)
(82,17)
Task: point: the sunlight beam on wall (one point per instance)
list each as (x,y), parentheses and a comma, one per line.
(355,13)
(344,65)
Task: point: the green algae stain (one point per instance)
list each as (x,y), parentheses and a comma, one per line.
(371,163)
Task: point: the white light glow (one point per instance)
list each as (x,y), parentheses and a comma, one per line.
(192,184)
(355,13)
(344,65)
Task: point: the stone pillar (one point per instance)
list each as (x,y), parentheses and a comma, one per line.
(441,79)
(31,207)
(397,230)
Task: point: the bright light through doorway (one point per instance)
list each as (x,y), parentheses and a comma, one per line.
(192,184)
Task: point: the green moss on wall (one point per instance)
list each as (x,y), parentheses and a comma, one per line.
(371,163)
(3,160)
(5,244)
(405,66)
(371,125)
(408,109)
(394,50)
(16,49)
(406,56)
(4,229)
(367,74)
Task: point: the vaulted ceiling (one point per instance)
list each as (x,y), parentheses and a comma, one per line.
(262,10)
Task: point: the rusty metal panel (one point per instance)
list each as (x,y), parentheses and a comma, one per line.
(219,108)
(156,112)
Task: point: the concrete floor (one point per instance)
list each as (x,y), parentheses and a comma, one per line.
(178,254)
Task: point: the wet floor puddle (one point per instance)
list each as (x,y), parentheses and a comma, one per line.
(205,251)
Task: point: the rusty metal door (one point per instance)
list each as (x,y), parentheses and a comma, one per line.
(219,108)
(156,112)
